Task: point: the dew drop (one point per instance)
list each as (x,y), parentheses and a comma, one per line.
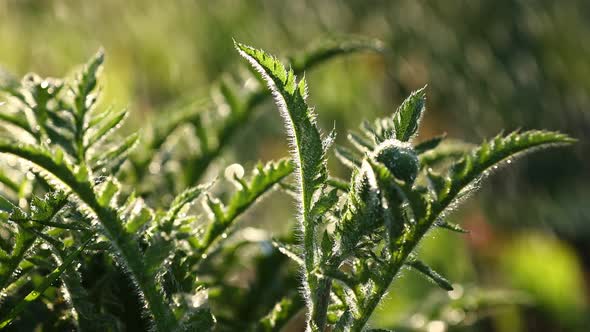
(154,168)
(456,293)
(436,326)
(417,321)
(224,236)
(204,256)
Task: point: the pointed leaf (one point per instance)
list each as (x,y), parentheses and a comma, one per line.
(430,273)
(407,117)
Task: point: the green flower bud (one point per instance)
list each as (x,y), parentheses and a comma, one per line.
(400,158)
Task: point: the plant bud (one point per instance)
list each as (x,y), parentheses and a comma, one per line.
(400,158)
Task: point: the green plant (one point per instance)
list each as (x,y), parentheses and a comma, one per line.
(115,244)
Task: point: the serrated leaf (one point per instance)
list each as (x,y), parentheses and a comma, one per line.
(86,81)
(407,117)
(307,150)
(449,150)
(363,209)
(251,190)
(499,150)
(179,202)
(440,184)
(329,49)
(155,255)
(325,203)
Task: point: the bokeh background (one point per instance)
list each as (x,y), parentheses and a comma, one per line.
(489,65)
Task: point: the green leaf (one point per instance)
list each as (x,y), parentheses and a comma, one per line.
(138,219)
(108,162)
(308,152)
(326,50)
(407,117)
(449,150)
(347,157)
(450,226)
(360,143)
(179,202)
(155,255)
(363,209)
(325,203)
(306,142)
(250,190)
(199,319)
(109,191)
(500,150)
(104,128)
(429,144)
(47,281)
(85,83)
(289,251)
(278,316)
(430,273)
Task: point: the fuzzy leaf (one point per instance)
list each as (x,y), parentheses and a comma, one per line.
(250,190)
(330,49)
(289,251)
(501,149)
(408,115)
(363,209)
(308,152)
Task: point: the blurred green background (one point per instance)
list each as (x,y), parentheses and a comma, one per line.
(489,65)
